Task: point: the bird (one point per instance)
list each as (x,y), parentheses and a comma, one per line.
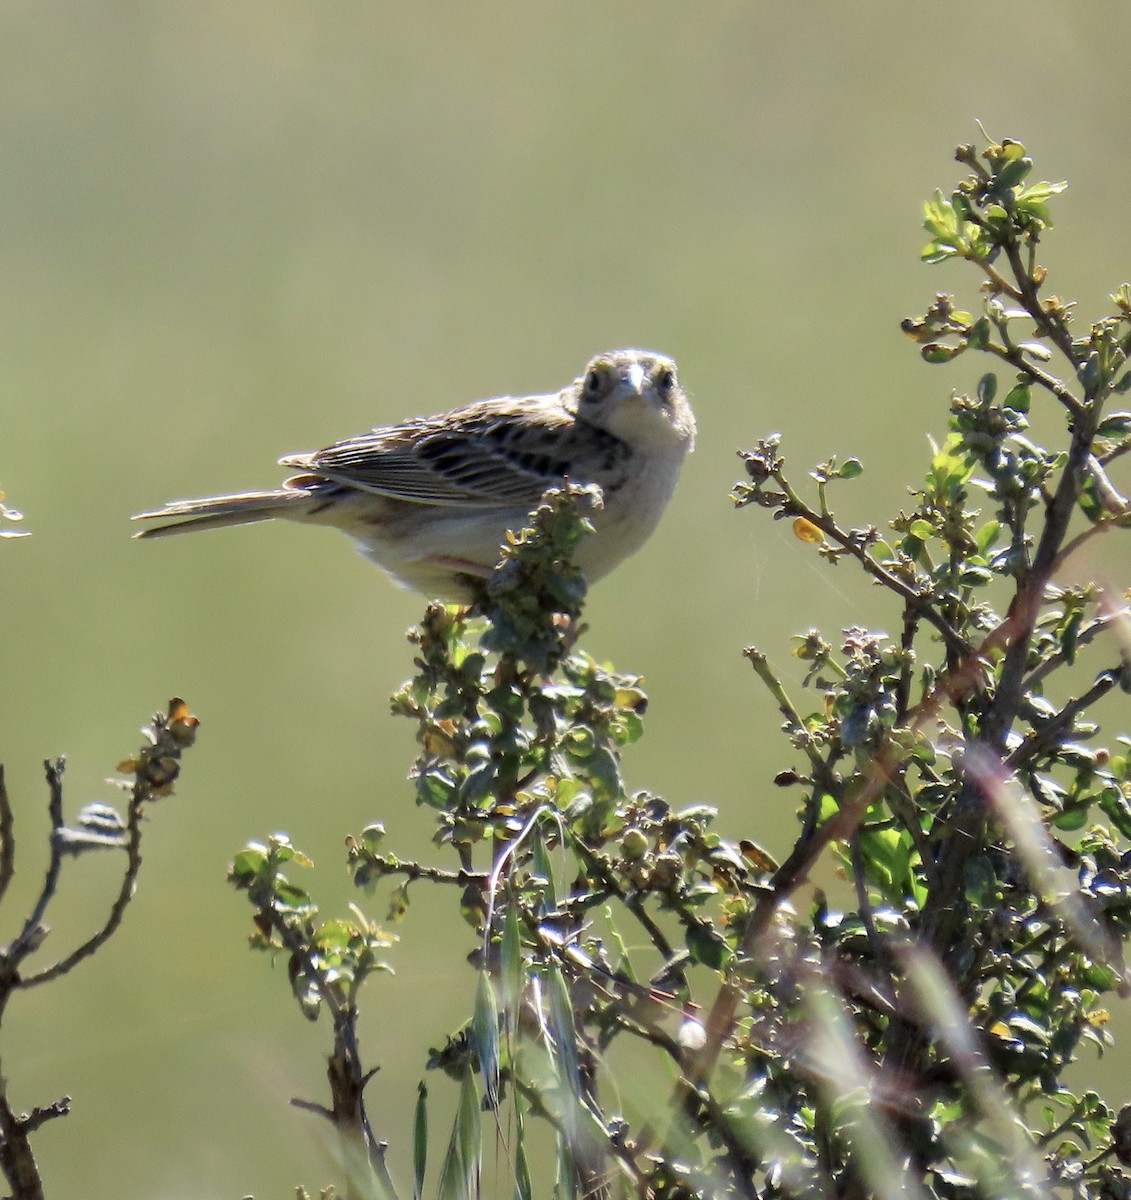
(430,499)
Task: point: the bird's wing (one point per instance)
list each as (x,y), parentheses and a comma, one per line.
(498,453)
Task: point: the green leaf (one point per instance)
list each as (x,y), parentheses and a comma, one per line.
(435,788)
(952,465)
(937,251)
(629,728)
(485,1032)
(543,869)
(887,860)
(981,882)
(1043,190)
(511,969)
(1115,806)
(986,536)
(1088,499)
(1072,818)
(460,1170)
(522,1186)
(939,217)
(1069,634)
(1019,398)
(921,529)
(603,771)
(372,836)
(420,1141)
(978,339)
(975,575)
(1102,978)
(290,896)
(1032,202)
(248,865)
(851,468)
(334,935)
(1012,173)
(706,946)
(1117,425)
(478,783)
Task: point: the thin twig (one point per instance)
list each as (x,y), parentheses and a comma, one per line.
(1045,736)
(414,870)
(1096,529)
(1015,356)
(921,602)
(155,767)
(117,909)
(1114,452)
(795,725)
(32,933)
(16,1157)
(1088,633)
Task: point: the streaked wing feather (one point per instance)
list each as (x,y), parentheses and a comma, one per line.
(500,452)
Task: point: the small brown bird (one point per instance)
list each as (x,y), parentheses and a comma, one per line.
(430,500)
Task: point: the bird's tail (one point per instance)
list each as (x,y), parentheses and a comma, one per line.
(216,512)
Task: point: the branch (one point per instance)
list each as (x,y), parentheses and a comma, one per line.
(1015,356)
(117,909)
(343,1069)
(16,1158)
(388,865)
(1086,635)
(1045,736)
(155,768)
(794,723)
(32,934)
(763,466)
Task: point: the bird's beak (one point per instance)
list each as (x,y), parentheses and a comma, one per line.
(635,377)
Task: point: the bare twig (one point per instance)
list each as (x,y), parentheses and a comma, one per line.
(386,865)
(1045,736)
(1088,633)
(16,1157)
(32,933)
(1015,356)
(919,602)
(156,766)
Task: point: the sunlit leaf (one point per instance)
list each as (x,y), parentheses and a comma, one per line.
(806,531)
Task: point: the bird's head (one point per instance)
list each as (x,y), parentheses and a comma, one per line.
(636,396)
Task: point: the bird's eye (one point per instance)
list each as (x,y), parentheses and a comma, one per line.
(665,381)
(593,383)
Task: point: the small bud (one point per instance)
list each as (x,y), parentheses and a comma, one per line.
(691,1034)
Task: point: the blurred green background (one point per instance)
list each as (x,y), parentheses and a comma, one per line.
(231,231)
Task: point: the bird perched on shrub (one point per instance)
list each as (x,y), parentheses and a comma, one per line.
(429,500)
